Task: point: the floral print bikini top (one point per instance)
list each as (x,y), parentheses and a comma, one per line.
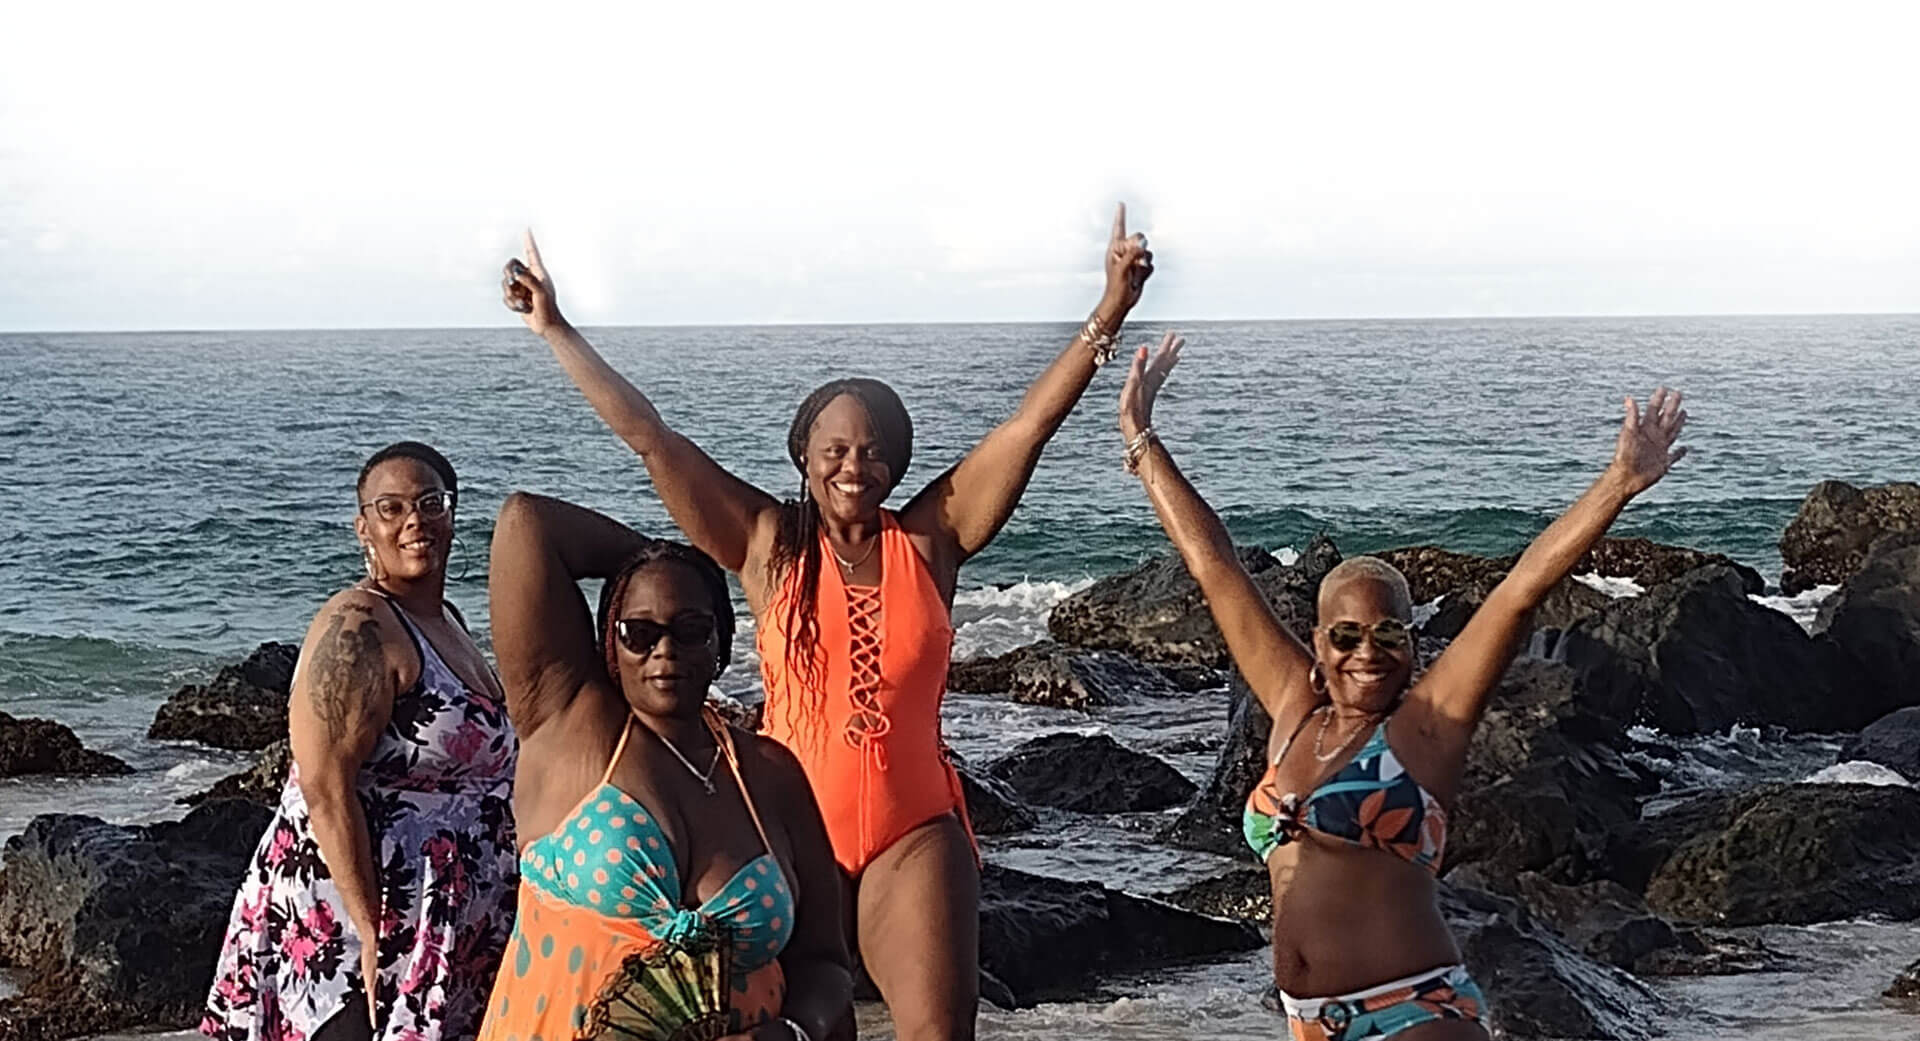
(1372,801)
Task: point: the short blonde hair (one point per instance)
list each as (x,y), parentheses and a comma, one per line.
(1372,569)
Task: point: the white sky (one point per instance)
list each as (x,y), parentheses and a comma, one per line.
(333,165)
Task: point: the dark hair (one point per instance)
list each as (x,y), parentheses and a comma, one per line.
(614,592)
(415,450)
(796,543)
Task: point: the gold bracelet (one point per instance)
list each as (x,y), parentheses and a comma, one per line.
(1137,448)
(1099,340)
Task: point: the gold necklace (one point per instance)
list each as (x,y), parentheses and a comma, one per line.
(1319,736)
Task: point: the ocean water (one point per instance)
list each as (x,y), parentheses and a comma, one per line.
(173,499)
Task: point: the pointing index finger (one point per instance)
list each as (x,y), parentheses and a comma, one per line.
(533,257)
(1120,222)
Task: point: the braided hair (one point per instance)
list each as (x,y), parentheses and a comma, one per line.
(614,593)
(796,543)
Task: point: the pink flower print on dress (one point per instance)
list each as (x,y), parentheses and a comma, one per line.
(465,744)
(283,842)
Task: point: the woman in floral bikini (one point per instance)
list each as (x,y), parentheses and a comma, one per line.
(391,857)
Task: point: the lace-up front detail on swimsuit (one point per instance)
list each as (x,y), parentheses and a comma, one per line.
(868,721)
(1372,801)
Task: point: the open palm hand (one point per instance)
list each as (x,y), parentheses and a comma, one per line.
(1644,451)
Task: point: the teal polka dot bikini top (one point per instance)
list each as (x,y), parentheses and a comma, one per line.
(610,857)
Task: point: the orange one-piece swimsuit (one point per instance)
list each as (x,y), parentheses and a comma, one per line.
(869,736)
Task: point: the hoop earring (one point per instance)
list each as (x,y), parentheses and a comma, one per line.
(370,562)
(1317,679)
(466,559)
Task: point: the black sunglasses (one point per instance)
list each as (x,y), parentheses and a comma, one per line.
(1389,634)
(641,635)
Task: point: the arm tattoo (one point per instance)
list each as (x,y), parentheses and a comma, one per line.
(348,665)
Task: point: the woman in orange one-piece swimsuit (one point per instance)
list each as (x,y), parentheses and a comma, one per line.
(852,608)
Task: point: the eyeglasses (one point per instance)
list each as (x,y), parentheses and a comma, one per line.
(642,635)
(1389,634)
(432,505)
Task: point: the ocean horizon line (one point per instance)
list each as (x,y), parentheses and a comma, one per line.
(951,323)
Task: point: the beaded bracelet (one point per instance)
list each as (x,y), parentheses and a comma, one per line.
(1137,448)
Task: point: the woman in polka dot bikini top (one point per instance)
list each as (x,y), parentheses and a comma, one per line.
(661,873)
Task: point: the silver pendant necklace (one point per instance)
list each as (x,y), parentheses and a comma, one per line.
(848,565)
(705,779)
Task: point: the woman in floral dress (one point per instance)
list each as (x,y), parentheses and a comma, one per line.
(391,857)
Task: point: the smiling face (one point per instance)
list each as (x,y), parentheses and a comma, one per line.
(668,654)
(409,546)
(1368,677)
(847,472)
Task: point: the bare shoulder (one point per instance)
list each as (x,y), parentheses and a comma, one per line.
(772,762)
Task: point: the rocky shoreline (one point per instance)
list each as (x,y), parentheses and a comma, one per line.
(1562,888)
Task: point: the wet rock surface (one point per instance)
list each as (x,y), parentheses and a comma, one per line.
(1546,785)
(1696,655)
(992,807)
(244,708)
(1211,822)
(41,746)
(116,926)
(1837,522)
(1155,612)
(1792,854)
(1906,986)
(1090,774)
(260,783)
(1045,939)
(1874,620)
(1893,741)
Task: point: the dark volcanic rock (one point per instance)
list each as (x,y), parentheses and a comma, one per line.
(1090,774)
(1211,822)
(118,926)
(41,746)
(1793,854)
(1567,603)
(244,708)
(1156,613)
(1245,893)
(1837,522)
(1084,679)
(1545,786)
(1538,985)
(1650,564)
(1875,622)
(1433,572)
(1048,673)
(260,783)
(1696,655)
(1893,741)
(1907,984)
(1046,939)
(992,807)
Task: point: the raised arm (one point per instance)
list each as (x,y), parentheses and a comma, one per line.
(718,512)
(967,505)
(1274,663)
(350,667)
(543,635)
(1455,689)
